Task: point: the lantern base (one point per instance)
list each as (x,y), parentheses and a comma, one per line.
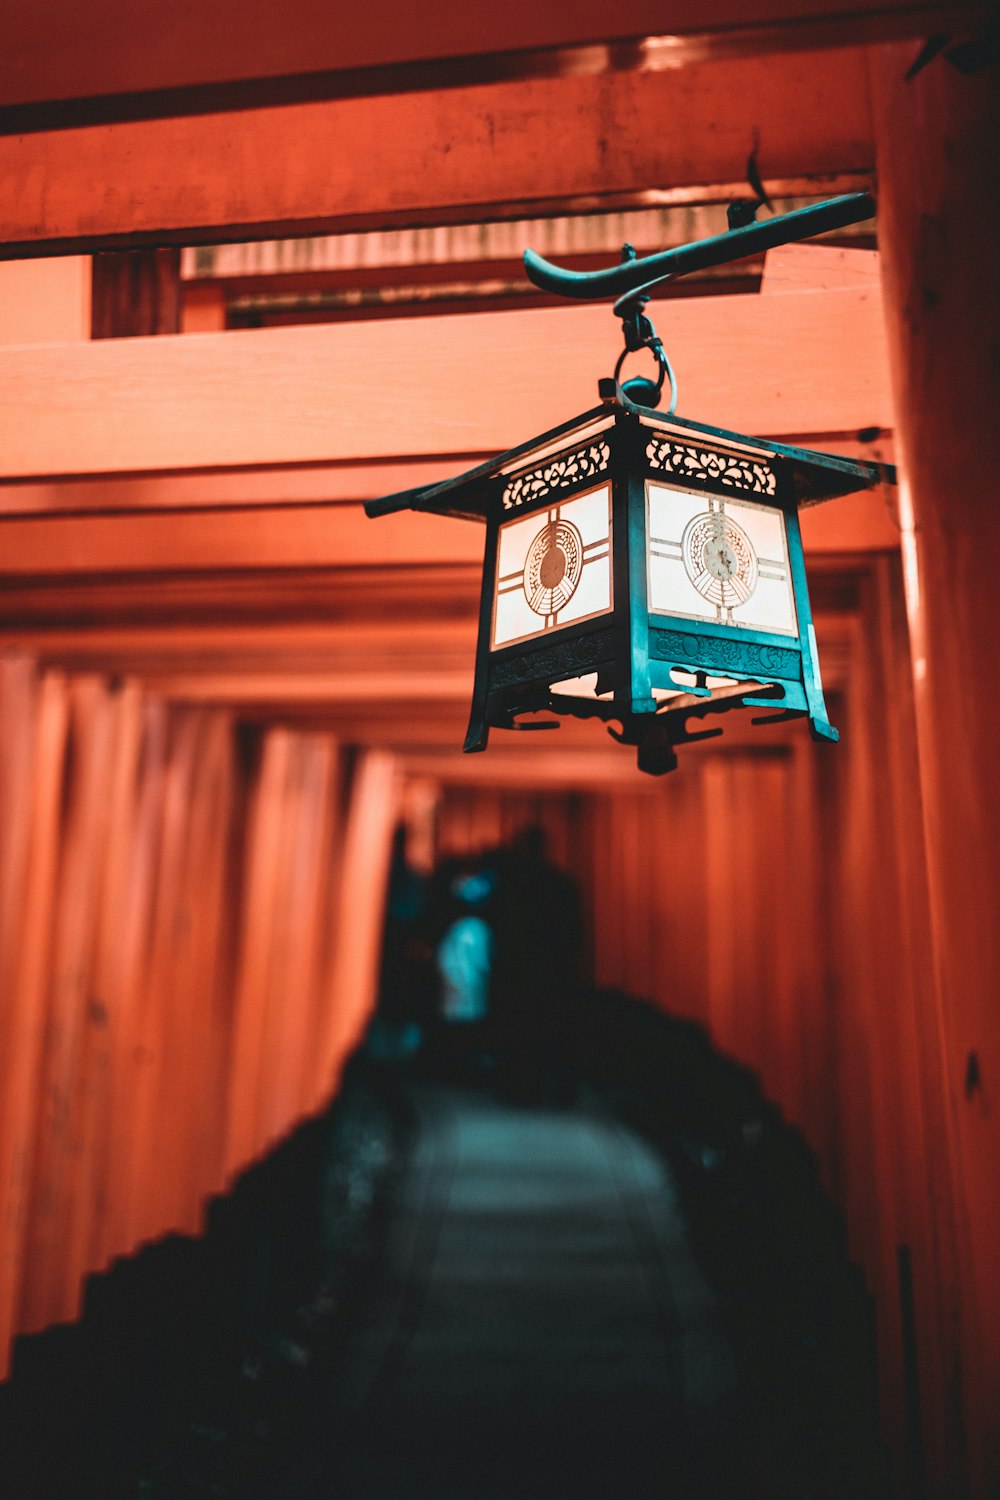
(655,733)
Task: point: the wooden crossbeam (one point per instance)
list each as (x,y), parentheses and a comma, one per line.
(224,489)
(478,383)
(48,602)
(154,417)
(336,537)
(502,150)
(341,536)
(125,625)
(378,674)
(97,63)
(355,654)
(274,487)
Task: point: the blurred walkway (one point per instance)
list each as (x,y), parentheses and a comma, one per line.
(429,1294)
(540,1328)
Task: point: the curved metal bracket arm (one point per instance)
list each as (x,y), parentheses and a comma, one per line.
(633,276)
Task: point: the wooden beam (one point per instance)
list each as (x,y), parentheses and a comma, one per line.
(351,691)
(356,650)
(125,600)
(45,302)
(379,676)
(226,489)
(817,268)
(335,537)
(320,484)
(504,150)
(98,63)
(402,618)
(811,362)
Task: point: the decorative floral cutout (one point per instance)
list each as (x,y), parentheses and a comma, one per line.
(559,474)
(707,464)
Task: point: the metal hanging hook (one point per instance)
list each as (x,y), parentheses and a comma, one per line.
(640,390)
(639,333)
(632,280)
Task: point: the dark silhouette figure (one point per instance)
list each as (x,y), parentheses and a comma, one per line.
(460,937)
(406,991)
(537,927)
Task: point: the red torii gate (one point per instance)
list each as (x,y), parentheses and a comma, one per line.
(241,125)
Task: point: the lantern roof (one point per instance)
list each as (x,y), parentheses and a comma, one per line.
(816,476)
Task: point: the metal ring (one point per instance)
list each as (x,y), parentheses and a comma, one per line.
(665,370)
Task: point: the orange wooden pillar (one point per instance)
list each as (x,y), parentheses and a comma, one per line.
(34,717)
(936,139)
(891,1169)
(292,853)
(357,915)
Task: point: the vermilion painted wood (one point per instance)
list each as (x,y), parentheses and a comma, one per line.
(253,985)
(72,1072)
(29,932)
(165,972)
(45,301)
(163,544)
(321,484)
(122,1010)
(523,147)
(52,54)
(196,1056)
(358,912)
(189,542)
(815,267)
(812,362)
(904,1200)
(293,1077)
(323,595)
(283,949)
(943,304)
(127,883)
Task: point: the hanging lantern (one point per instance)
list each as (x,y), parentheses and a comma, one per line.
(643,569)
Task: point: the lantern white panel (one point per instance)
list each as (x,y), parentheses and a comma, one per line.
(713,558)
(553,567)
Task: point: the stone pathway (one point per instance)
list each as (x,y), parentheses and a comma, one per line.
(540,1329)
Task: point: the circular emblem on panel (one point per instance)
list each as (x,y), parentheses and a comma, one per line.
(719,559)
(552,568)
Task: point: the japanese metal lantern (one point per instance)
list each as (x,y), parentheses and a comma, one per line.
(641,568)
